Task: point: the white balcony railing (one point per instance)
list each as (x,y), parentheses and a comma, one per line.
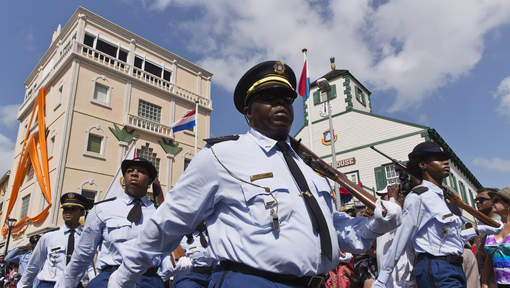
(103,59)
(149,126)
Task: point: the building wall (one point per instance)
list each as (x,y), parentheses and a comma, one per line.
(71,71)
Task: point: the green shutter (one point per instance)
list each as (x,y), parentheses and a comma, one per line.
(316,97)
(453,182)
(380,177)
(463,192)
(332,92)
(470,194)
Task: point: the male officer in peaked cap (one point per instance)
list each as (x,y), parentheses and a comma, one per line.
(269,225)
(112,223)
(431,224)
(54,249)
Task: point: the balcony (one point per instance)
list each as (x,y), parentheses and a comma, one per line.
(149,126)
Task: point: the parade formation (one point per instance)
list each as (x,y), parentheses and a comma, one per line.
(259,209)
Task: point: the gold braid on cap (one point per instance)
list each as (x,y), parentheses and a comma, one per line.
(270,78)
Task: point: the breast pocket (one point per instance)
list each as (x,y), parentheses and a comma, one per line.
(263,204)
(448,225)
(324,191)
(118,230)
(56,255)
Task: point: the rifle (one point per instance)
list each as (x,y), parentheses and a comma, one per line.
(320,166)
(401,169)
(159,198)
(450,195)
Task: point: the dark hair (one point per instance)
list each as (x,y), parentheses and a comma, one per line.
(488,189)
(414,169)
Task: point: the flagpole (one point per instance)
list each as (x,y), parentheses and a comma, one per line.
(196,127)
(306,101)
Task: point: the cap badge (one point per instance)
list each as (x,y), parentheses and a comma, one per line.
(70,196)
(279,67)
(441,148)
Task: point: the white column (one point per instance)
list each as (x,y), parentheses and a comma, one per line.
(169,169)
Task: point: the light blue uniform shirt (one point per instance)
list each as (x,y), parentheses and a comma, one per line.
(237,212)
(19,256)
(200,256)
(106,230)
(48,260)
(429,225)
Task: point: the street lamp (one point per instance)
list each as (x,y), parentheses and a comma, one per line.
(324,87)
(10,224)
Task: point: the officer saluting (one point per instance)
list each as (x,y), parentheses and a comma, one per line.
(270,217)
(54,249)
(431,224)
(111,223)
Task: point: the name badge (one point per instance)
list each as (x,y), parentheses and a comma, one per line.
(261,176)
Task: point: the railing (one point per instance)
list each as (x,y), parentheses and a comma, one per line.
(152,79)
(149,126)
(103,58)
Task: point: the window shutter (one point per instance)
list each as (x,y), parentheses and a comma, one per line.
(316,97)
(332,92)
(380,177)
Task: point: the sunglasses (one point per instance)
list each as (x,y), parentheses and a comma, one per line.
(481,199)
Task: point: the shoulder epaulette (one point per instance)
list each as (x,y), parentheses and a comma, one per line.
(419,190)
(105,200)
(212,141)
(51,230)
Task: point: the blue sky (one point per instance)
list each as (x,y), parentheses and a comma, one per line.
(443,64)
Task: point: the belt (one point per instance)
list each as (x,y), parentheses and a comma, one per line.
(153,271)
(203,270)
(292,280)
(452,259)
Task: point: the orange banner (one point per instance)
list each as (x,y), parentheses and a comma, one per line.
(30,156)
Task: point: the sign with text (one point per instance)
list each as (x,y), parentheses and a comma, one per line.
(345,162)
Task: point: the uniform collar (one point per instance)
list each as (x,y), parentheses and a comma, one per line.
(432,187)
(128,199)
(263,141)
(67,229)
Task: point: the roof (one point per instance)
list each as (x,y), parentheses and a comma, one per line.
(334,74)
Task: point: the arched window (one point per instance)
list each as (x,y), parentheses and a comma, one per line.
(96,140)
(102,90)
(89,189)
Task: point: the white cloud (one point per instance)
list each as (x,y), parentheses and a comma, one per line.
(494,164)
(6,152)
(8,114)
(410,47)
(503,92)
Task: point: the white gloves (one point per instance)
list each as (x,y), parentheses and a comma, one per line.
(183,266)
(380,224)
(486,229)
(346,258)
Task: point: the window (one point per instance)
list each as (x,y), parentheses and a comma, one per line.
(58,99)
(30,173)
(89,194)
(391,174)
(149,111)
(106,48)
(24,206)
(453,182)
(110,49)
(360,96)
(186,163)
(101,94)
(51,146)
(94,143)
(319,97)
(89,40)
(353,176)
(147,153)
(152,68)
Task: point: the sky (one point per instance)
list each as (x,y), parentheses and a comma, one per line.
(442,64)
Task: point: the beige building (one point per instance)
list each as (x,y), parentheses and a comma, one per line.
(106,86)
(357,128)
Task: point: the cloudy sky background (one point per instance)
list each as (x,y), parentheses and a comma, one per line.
(444,64)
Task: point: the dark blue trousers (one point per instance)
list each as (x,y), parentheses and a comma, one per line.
(192,280)
(229,279)
(437,273)
(101,281)
(46,284)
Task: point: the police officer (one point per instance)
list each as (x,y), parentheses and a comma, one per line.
(111,224)
(270,217)
(431,224)
(22,255)
(54,249)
